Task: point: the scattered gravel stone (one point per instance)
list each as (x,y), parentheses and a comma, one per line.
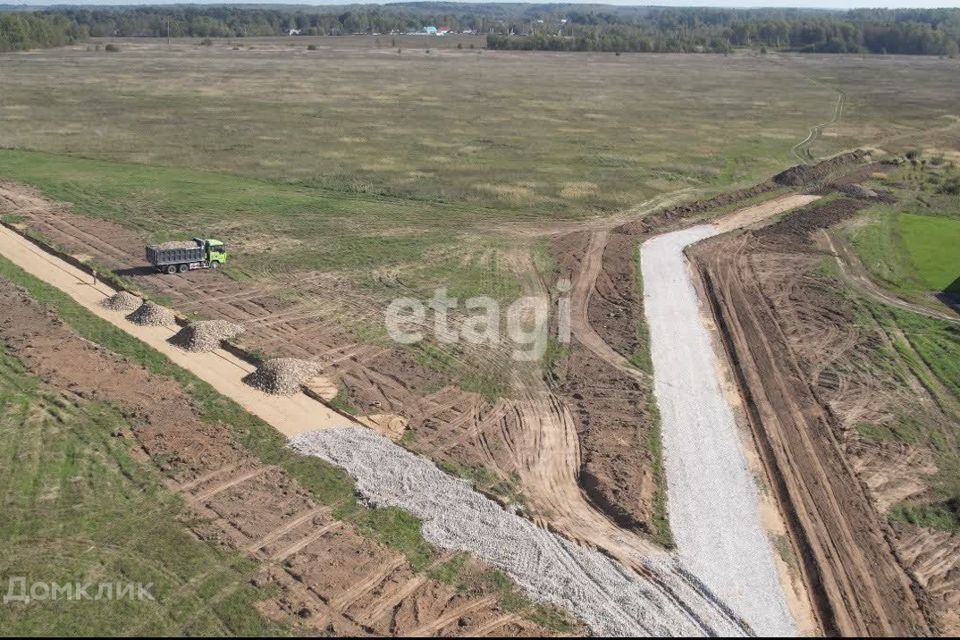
(152,314)
(206,335)
(122,301)
(283,376)
(611,599)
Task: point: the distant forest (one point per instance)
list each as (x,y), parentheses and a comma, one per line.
(552,27)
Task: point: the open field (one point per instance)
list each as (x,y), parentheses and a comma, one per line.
(81,507)
(348,176)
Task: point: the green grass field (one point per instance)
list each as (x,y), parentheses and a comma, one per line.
(933,245)
(78,508)
(913,246)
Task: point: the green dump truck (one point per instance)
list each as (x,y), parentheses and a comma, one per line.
(199,253)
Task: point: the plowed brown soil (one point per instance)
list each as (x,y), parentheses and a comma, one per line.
(331,579)
(785,332)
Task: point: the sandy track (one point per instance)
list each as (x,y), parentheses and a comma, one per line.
(289,415)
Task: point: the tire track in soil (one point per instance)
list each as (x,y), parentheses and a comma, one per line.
(857,585)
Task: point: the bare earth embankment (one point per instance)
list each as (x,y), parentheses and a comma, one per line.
(845,552)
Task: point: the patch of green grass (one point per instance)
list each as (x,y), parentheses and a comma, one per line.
(79,509)
(449,571)
(513,600)
(939,515)
(643,361)
(933,246)
(341,402)
(483,480)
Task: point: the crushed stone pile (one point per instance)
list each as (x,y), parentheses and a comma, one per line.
(153,315)
(206,335)
(122,301)
(283,376)
(610,598)
(178,244)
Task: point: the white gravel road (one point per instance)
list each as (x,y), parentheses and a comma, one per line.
(609,598)
(712,495)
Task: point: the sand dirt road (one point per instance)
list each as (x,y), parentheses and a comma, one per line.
(289,415)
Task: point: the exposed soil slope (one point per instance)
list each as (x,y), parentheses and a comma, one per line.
(848,560)
(330,579)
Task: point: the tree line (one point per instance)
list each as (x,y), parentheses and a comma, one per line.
(554,27)
(20,31)
(893,31)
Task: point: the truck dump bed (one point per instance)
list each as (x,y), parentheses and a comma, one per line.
(174,253)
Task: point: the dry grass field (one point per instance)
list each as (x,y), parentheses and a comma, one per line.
(364,169)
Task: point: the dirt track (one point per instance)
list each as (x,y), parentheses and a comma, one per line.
(222,370)
(846,556)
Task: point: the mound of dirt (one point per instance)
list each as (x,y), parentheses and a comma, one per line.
(801,175)
(858,191)
(122,301)
(206,335)
(152,314)
(283,376)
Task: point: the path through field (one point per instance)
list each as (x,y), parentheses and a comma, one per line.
(289,415)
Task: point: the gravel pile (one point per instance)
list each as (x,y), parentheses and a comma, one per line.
(282,376)
(122,301)
(152,314)
(178,244)
(205,335)
(609,598)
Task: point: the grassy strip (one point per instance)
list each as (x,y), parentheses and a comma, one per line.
(330,485)
(643,361)
(79,509)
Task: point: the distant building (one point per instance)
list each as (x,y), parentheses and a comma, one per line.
(442,31)
(294,32)
(430,31)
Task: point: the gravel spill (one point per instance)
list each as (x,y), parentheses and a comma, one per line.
(282,376)
(206,335)
(608,597)
(122,301)
(712,497)
(152,314)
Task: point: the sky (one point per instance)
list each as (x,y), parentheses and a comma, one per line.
(815,4)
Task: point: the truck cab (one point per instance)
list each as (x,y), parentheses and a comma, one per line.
(216,251)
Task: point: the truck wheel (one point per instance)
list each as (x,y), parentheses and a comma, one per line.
(183,268)
(215,265)
(172,269)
